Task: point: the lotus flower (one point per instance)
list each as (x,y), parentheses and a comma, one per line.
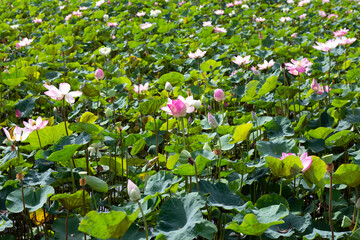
(219,95)
(298,67)
(99,74)
(207,24)
(77,13)
(146,25)
(35,125)
(197,54)
(239,60)
(17,135)
(141,14)
(266,64)
(340,32)
(327,46)
(322,14)
(218,29)
(23,43)
(318,89)
(219,12)
(104,51)
(63,91)
(142,88)
(37,20)
(260,19)
(305,159)
(112,24)
(179,107)
(345,41)
(133,191)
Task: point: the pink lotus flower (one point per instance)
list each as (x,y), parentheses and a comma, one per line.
(219,30)
(207,24)
(229,5)
(63,91)
(239,60)
(219,95)
(335,16)
(219,12)
(99,74)
(237,2)
(345,41)
(327,46)
(35,125)
(325,1)
(37,20)
(99,3)
(83,8)
(298,67)
(260,19)
(77,13)
(285,19)
(142,88)
(112,24)
(318,89)
(341,32)
(303,2)
(302,16)
(266,64)
(178,108)
(305,159)
(17,135)
(294,35)
(67,18)
(254,70)
(141,14)
(322,13)
(197,54)
(146,25)
(24,43)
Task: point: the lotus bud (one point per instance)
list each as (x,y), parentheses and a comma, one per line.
(108,112)
(196,104)
(99,74)
(212,121)
(207,147)
(357,205)
(133,191)
(219,95)
(17,113)
(106,17)
(253,114)
(168,87)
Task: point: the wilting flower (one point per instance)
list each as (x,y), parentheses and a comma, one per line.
(17,134)
(298,67)
(179,107)
(340,32)
(142,88)
(219,95)
(212,121)
(104,51)
(266,64)
(99,74)
(197,54)
(146,25)
(141,14)
(219,30)
(33,125)
(37,20)
(239,60)
(112,24)
(207,24)
(345,41)
(327,46)
(63,91)
(23,43)
(133,191)
(155,13)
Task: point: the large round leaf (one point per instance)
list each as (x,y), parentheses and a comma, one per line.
(72,201)
(288,167)
(348,174)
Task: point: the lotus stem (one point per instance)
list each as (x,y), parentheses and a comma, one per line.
(64,117)
(66,224)
(357,220)
(219,156)
(281,184)
(37,132)
(144,219)
(183,132)
(197,176)
(330,208)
